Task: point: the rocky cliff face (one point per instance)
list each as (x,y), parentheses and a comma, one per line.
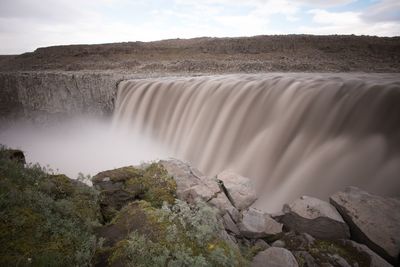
(42,96)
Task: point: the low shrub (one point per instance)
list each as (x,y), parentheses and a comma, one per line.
(45,219)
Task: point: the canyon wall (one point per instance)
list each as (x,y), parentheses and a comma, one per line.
(43,96)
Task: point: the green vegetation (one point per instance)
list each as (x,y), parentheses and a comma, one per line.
(133,220)
(322,251)
(51,220)
(153,184)
(118,187)
(45,220)
(176,235)
(322,248)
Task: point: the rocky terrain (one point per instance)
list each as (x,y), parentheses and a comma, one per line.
(296,53)
(167,213)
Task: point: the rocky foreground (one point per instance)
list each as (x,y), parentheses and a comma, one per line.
(169,214)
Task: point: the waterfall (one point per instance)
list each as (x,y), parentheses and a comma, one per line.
(292,134)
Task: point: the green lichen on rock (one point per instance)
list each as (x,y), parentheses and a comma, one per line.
(323,251)
(45,220)
(250,251)
(123,185)
(175,235)
(322,248)
(154,184)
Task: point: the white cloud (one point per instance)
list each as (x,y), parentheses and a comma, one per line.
(383,11)
(325,3)
(28,24)
(348,23)
(341,18)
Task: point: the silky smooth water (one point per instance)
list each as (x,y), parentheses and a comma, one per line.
(292,134)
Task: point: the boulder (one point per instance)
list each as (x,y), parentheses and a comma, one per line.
(230,225)
(239,189)
(374,259)
(274,257)
(191,183)
(373,220)
(222,203)
(315,217)
(257,224)
(278,244)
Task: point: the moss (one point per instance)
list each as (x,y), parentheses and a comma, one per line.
(118,175)
(321,248)
(51,220)
(15,155)
(121,186)
(176,235)
(301,261)
(58,186)
(139,216)
(249,252)
(154,185)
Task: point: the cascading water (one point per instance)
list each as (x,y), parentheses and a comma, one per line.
(293,134)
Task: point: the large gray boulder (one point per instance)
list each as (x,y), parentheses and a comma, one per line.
(224,206)
(191,183)
(274,257)
(373,220)
(239,189)
(315,217)
(257,224)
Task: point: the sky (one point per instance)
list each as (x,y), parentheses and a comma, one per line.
(28,24)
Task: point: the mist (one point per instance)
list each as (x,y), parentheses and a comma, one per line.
(81,145)
(291,134)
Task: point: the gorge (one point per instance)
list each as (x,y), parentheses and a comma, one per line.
(252,151)
(293,134)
